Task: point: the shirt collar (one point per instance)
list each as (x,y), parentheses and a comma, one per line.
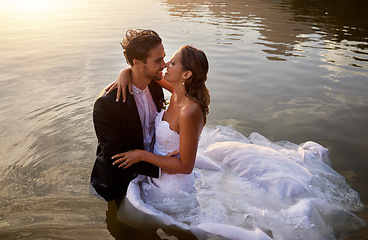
(137,90)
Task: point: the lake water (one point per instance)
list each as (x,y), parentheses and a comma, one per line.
(294,70)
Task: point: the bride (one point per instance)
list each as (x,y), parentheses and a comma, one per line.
(224,184)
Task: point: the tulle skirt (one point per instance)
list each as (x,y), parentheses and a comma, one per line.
(251,188)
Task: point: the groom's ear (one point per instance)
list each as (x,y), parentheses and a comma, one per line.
(187,74)
(137,62)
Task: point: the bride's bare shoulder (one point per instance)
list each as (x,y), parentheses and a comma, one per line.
(191,111)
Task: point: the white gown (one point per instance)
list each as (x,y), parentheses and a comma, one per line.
(173,194)
(246,188)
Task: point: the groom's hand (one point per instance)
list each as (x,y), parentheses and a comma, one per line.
(173,153)
(129,158)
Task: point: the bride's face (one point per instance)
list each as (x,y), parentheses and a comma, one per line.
(174,71)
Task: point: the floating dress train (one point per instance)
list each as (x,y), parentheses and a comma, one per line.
(247,188)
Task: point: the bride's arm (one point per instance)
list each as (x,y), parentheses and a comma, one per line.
(124,79)
(165,84)
(191,125)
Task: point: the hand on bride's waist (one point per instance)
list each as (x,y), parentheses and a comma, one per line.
(175,153)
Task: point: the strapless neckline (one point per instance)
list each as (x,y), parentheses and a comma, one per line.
(167,140)
(166,122)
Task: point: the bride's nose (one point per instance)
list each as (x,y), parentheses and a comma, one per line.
(168,64)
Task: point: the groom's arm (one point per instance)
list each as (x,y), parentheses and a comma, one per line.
(117,134)
(106,124)
(108,181)
(106,178)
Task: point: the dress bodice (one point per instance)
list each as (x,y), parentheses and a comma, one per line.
(167,140)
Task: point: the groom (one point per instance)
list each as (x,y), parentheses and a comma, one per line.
(123,126)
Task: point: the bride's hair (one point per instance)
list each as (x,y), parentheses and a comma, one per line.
(195,60)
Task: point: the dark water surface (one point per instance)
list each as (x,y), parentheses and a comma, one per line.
(294,70)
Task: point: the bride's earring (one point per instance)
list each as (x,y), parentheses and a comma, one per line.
(183,83)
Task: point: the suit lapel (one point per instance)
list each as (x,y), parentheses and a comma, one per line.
(157,95)
(132,117)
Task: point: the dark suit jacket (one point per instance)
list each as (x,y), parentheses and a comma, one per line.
(118,129)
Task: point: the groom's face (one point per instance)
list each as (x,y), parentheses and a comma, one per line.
(155,63)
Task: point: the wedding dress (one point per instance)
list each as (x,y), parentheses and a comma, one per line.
(246,188)
(171,193)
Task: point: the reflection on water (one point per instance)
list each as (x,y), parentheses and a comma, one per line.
(292,70)
(282,25)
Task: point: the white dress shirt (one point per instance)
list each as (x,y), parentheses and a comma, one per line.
(147,114)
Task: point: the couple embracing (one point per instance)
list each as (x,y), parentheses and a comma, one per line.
(136,135)
(243,188)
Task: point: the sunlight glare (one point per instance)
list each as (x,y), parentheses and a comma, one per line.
(33,5)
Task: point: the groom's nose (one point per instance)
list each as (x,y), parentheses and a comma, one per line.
(163,64)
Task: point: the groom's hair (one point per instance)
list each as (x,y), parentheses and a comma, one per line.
(137,44)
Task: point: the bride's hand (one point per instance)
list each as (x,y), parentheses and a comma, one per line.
(129,158)
(122,81)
